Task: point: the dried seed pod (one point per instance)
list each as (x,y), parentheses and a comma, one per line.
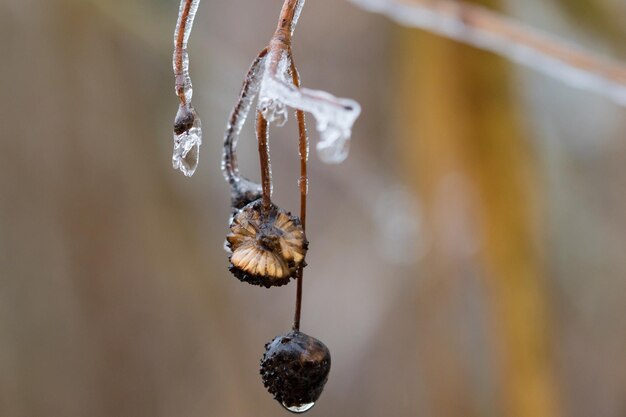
(294,369)
(268,246)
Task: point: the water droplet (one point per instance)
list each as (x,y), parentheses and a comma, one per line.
(299,409)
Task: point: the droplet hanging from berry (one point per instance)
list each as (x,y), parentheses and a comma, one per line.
(294,369)
(268,246)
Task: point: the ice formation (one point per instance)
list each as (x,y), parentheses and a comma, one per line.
(187,125)
(334,116)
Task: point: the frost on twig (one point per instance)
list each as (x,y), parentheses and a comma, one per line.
(272,78)
(484,29)
(187,125)
(243,190)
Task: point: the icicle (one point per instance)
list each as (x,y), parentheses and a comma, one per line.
(187,125)
(187,140)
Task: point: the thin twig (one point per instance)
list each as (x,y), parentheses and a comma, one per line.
(303,182)
(264,156)
(186,16)
(485,29)
(279,45)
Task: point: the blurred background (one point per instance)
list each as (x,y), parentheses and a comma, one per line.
(466,260)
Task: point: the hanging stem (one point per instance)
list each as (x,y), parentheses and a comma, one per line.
(281,40)
(264,156)
(279,44)
(304,187)
(180,45)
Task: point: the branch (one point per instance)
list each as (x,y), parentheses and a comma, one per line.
(186,15)
(488,30)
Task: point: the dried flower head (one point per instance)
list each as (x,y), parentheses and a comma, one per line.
(294,369)
(268,245)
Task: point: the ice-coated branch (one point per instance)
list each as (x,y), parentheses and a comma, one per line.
(335,116)
(238,117)
(187,125)
(485,29)
(186,16)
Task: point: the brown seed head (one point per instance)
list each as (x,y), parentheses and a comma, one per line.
(267,248)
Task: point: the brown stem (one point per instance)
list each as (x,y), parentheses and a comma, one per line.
(304,185)
(281,40)
(264,156)
(180,37)
(279,44)
(287,15)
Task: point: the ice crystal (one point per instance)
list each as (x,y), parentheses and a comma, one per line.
(334,116)
(187,140)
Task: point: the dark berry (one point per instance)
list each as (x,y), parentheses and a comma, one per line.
(295,369)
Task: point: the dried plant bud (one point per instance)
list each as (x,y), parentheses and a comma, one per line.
(244,192)
(267,248)
(294,369)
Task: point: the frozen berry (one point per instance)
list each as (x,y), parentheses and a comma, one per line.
(268,246)
(295,369)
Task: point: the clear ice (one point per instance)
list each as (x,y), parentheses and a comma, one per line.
(296,15)
(187,126)
(334,116)
(187,140)
(273,109)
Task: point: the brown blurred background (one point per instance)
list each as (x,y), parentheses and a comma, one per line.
(466,260)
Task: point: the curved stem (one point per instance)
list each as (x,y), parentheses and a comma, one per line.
(238,117)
